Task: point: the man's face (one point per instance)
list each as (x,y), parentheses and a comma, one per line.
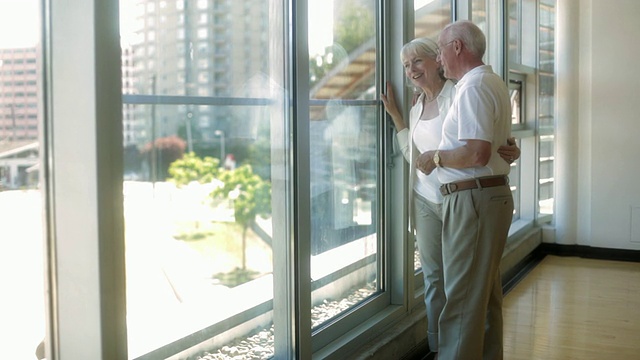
(445,54)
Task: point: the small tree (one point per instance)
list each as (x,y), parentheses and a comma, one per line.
(193,168)
(251,197)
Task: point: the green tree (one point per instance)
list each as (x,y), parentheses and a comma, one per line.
(193,168)
(354,27)
(251,197)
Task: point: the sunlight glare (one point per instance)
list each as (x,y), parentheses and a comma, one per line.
(320,26)
(19,23)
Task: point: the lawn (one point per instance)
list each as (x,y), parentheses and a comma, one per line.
(220,245)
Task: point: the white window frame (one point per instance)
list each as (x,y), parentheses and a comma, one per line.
(85,235)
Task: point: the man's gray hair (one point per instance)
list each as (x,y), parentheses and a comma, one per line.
(470,34)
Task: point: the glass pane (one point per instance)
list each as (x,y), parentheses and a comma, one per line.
(518,103)
(22,304)
(546,174)
(515,31)
(430,18)
(515,185)
(487,16)
(479,15)
(200,106)
(546,106)
(344,119)
(515,93)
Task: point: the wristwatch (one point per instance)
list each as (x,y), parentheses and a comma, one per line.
(436,158)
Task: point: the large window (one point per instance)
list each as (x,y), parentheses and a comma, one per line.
(531,79)
(343,162)
(546,104)
(207,204)
(216,177)
(203,206)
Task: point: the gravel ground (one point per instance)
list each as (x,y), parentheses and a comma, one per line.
(261,345)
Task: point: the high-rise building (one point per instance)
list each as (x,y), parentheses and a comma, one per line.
(18,96)
(132,130)
(18,115)
(201,50)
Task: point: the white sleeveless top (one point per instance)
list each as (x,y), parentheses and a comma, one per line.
(426,136)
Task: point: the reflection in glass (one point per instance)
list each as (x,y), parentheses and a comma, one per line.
(343,152)
(515,31)
(546,106)
(197,120)
(430,18)
(479,14)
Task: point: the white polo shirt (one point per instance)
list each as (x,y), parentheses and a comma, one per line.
(481,110)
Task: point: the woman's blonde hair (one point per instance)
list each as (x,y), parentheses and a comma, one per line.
(420,46)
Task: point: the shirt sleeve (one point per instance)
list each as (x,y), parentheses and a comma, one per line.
(476,110)
(403,142)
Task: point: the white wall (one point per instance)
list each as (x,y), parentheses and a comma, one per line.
(607,180)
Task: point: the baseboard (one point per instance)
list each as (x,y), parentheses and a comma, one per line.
(589,252)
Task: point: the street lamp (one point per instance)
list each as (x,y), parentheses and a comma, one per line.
(189,136)
(221,134)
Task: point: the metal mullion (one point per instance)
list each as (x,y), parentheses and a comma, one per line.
(301,178)
(85,242)
(284,296)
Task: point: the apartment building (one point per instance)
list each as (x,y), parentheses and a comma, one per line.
(18,115)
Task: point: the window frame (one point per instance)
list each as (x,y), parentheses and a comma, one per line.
(85,278)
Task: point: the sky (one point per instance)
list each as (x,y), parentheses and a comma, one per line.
(19,23)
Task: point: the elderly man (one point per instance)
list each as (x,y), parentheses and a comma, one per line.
(478,205)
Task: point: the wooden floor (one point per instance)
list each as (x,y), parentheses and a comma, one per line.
(574,308)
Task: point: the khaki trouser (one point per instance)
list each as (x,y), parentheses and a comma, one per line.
(428,224)
(475,228)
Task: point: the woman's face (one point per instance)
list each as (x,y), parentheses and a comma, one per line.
(420,69)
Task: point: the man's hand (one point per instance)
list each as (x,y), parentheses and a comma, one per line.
(424,162)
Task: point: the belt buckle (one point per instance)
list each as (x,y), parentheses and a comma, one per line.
(451,188)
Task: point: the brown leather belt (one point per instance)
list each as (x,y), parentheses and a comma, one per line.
(477,183)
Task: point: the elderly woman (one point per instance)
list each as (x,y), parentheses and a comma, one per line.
(424,133)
